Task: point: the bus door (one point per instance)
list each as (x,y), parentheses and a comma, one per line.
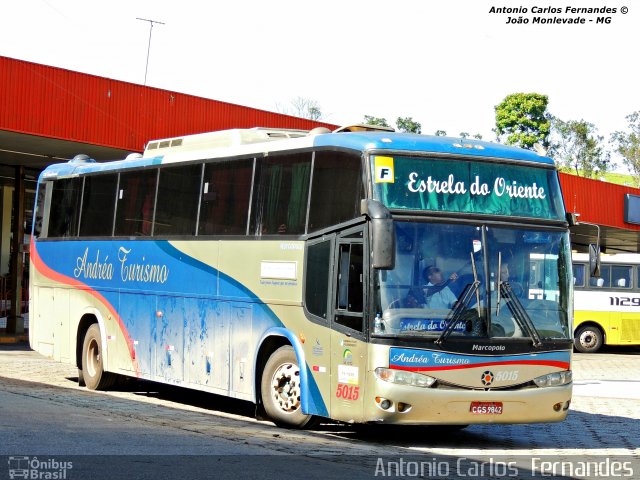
(348,323)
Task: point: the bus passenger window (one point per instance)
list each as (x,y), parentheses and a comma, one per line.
(317,278)
(621,275)
(98,202)
(65,208)
(337,189)
(177,203)
(578,275)
(39,226)
(136,196)
(605,278)
(281,195)
(225,198)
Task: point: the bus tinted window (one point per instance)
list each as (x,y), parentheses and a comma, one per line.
(136,195)
(65,208)
(605,277)
(98,202)
(337,189)
(281,195)
(620,276)
(578,275)
(39,225)
(317,286)
(225,198)
(177,204)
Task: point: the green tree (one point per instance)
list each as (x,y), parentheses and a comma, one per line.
(407,124)
(627,144)
(381,122)
(522,119)
(440,133)
(578,148)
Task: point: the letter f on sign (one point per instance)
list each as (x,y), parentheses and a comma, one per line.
(383,167)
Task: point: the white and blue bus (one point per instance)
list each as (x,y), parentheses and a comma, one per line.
(362,276)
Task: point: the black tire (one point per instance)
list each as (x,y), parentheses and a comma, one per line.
(280,389)
(93,372)
(588,339)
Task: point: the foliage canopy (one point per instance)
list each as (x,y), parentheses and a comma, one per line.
(522,119)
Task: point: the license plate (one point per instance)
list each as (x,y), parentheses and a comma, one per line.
(486,408)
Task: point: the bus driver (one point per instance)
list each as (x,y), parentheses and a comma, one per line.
(437,292)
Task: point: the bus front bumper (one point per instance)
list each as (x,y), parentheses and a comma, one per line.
(398,404)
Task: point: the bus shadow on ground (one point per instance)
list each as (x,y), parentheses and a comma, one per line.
(585,430)
(184,396)
(579,431)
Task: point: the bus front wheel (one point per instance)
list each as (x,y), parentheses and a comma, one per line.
(588,339)
(281,390)
(93,373)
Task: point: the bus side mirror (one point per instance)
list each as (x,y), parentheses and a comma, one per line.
(594,260)
(383,237)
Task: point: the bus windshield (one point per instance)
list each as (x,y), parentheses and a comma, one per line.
(453,280)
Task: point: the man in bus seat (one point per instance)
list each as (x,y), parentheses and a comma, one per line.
(438,295)
(516,287)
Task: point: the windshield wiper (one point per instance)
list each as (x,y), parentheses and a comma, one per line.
(461,305)
(519,313)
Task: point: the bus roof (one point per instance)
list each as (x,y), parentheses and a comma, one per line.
(257,141)
(412,142)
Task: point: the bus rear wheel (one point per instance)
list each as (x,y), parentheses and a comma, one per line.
(93,374)
(281,389)
(588,339)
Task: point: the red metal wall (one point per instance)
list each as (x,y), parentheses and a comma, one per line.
(596,201)
(52,102)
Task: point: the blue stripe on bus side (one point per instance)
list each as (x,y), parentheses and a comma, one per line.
(91,261)
(312,402)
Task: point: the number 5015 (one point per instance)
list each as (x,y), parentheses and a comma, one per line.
(348,392)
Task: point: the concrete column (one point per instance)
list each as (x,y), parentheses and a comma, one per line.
(15,322)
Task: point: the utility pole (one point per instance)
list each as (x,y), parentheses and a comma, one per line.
(151,22)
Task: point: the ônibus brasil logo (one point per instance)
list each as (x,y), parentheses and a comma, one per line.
(33,468)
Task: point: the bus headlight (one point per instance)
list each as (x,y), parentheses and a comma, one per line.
(403,377)
(554,379)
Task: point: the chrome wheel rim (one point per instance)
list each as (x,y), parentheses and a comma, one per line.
(285,385)
(588,339)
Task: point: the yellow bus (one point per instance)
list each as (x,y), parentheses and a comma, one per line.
(356,275)
(606,308)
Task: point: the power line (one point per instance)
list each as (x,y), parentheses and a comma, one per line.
(151,22)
